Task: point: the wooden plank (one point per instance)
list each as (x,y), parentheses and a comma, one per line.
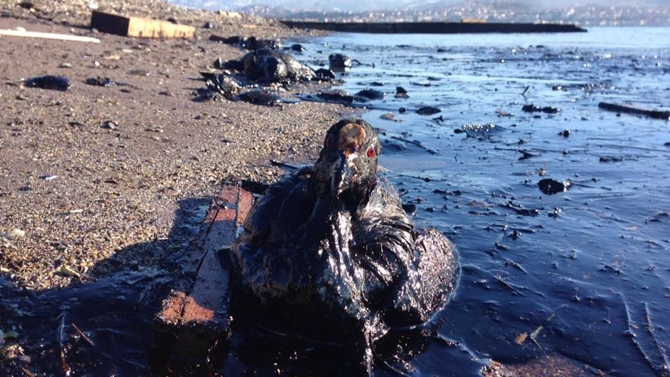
(35,34)
(139,27)
(655,114)
(194,320)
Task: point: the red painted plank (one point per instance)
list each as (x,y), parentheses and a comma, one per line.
(194,318)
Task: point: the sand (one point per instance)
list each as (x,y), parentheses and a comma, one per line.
(96,180)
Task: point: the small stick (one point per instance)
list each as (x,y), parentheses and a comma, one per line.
(81,333)
(61,340)
(417,143)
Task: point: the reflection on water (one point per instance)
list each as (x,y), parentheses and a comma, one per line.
(582,274)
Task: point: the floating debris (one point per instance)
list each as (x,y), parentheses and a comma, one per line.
(551,186)
(654,114)
(536,109)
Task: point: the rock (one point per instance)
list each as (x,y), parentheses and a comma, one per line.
(387,116)
(51,82)
(428,110)
(259,97)
(14,234)
(324,74)
(552,186)
(401,92)
(339,62)
(297,47)
(100,81)
(370,94)
(109,125)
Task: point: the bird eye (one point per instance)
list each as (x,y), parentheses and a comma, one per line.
(372,152)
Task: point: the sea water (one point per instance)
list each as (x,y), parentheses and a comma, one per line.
(576,279)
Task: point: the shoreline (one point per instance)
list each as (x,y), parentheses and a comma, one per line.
(435,27)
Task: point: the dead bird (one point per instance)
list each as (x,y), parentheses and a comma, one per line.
(329,253)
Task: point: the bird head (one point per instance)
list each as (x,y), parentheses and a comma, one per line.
(347,166)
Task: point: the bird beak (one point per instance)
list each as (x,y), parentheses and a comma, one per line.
(344,172)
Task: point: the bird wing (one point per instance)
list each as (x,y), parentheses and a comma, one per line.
(409,274)
(263,252)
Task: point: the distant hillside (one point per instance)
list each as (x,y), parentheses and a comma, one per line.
(582,12)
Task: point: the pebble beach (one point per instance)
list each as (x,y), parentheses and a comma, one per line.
(101,179)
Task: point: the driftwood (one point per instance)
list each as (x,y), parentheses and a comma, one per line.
(193,325)
(655,114)
(139,27)
(35,34)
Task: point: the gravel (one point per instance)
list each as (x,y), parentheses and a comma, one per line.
(129,168)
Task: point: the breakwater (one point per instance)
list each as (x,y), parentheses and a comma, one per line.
(434,27)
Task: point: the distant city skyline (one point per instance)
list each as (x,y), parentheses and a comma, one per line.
(581,12)
(365,5)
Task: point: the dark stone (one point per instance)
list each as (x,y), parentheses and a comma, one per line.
(401,92)
(219,63)
(324,74)
(551,186)
(607,159)
(531,108)
(339,62)
(428,110)
(370,94)
(50,82)
(259,97)
(100,81)
(337,96)
(109,125)
(297,47)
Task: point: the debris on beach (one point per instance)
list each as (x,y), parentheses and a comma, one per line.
(270,66)
(139,27)
(249,43)
(50,82)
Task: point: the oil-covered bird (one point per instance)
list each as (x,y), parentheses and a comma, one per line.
(328,252)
